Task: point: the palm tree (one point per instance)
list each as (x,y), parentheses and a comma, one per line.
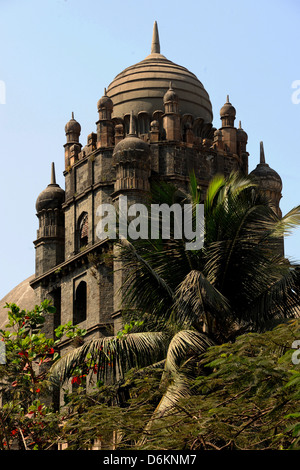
(238,281)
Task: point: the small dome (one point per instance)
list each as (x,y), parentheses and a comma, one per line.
(132,144)
(266,177)
(227,109)
(170,95)
(132,147)
(154,123)
(22,295)
(241,135)
(52,197)
(72,126)
(105,102)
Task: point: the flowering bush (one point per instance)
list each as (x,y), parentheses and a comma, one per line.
(27,417)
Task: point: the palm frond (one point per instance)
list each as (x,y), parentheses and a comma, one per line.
(196,296)
(112,356)
(287,223)
(184,344)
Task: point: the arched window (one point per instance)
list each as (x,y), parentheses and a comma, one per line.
(80,303)
(143,122)
(126,123)
(83,230)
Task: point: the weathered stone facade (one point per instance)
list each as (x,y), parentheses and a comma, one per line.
(155,122)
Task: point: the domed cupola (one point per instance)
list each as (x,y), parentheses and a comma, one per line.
(105,106)
(227,114)
(141,87)
(72,130)
(131,159)
(242,139)
(105,128)
(52,197)
(171,100)
(268,180)
(50,240)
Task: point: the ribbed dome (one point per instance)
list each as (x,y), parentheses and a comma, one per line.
(52,197)
(170,95)
(72,126)
(227,109)
(141,87)
(131,148)
(266,177)
(105,102)
(241,135)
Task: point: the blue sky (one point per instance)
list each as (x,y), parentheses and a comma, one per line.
(58,55)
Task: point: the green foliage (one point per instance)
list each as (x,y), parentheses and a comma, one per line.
(128,327)
(239,281)
(246,397)
(189,300)
(70,330)
(26,421)
(191,379)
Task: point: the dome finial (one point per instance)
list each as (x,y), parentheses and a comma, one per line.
(262,154)
(155,46)
(53,178)
(227,99)
(72,115)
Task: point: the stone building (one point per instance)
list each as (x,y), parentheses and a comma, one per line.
(154,122)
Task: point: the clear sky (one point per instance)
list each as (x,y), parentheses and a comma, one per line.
(58,55)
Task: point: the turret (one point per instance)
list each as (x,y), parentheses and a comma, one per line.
(241,142)
(49,244)
(227,116)
(73,146)
(268,181)
(171,118)
(105,128)
(131,158)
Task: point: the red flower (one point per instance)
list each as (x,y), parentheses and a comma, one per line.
(23,353)
(51,351)
(38,390)
(14,432)
(76,380)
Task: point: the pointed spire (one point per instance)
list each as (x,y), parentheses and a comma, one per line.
(72,115)
(240,124)
(227,99)
(155,46)
(262,154)
(53,178)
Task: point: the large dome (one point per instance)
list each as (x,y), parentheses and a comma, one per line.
(22,295)
(141,87)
